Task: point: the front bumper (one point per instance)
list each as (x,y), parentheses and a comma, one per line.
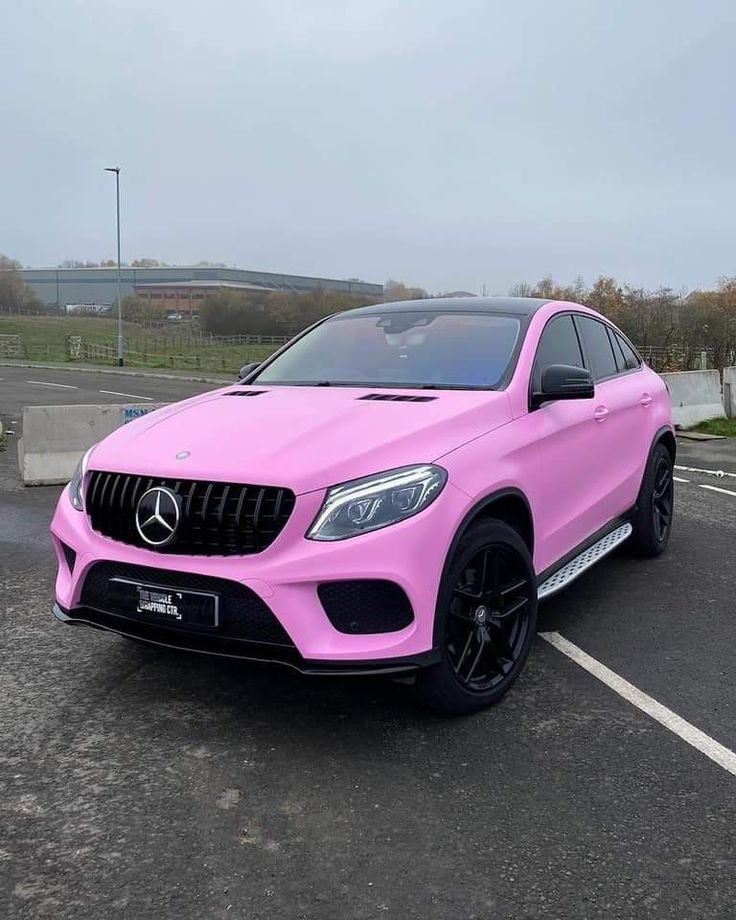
(285,577)
(255,651)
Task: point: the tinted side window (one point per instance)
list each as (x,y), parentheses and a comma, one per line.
(617,353)
(558,345)
(631,359)
(598,346)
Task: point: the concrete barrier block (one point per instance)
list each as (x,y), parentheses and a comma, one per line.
(729,391)
(695,396)
(55,437)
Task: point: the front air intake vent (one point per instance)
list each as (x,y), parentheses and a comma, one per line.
(396,397)
(244,392)
(365,606)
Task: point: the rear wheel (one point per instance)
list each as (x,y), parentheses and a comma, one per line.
(652,520)
(486,619)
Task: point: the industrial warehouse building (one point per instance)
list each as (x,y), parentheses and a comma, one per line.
(182,285)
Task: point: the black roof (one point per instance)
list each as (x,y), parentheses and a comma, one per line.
(521,306)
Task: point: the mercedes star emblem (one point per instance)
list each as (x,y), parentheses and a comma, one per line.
(157,516)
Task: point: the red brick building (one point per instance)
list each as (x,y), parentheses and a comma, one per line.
(186,297)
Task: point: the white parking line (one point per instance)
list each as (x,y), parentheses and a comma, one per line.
(43,383)
(680,479)
(694,469)
(126,395)
(716,489)
(689,733)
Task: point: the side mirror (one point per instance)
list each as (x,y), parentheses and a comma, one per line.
(562,381)
(247,369)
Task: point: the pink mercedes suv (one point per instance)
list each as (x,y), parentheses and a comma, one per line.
(391,493)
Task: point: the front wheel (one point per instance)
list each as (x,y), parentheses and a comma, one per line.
(652,519)
(486,620)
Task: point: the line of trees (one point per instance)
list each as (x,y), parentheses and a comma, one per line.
(271,312)
(673,327)
(676,325)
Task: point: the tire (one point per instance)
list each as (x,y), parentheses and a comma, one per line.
(485,621)
(652,519)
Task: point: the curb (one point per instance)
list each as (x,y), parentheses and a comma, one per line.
(119,372)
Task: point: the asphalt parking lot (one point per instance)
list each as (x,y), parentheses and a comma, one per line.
(137,783)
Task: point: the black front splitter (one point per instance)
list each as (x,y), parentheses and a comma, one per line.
(260,652)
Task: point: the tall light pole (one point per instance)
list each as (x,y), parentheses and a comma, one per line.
(116,170)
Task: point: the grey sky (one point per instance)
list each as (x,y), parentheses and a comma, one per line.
(449,143)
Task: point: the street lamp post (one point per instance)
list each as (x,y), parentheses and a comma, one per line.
(116,170)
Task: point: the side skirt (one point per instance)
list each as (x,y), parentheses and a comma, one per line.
(552,581)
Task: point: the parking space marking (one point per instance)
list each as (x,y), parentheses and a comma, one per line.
(680,479)
(43,383)
(694,469)
(689,733)
(127,395)
(717,489)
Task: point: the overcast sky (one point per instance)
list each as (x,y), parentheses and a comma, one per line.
(448,143)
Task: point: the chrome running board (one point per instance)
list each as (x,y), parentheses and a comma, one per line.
(581,563)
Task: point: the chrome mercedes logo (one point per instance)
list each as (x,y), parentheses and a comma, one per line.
(157,516)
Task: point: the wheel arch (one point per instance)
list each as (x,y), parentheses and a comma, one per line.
(509,505)
(666,436)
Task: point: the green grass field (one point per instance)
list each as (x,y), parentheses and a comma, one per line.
(726,427)
(44,339)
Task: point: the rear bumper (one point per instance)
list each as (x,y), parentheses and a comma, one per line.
(245,651)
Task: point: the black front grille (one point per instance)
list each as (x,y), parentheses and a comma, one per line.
(365,606)
(243,615)
(217,518)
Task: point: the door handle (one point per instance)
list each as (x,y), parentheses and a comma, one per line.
(646,400)
(600,414)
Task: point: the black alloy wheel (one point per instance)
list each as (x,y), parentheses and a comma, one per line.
(488,621)
(485,621)
(652,516)
(662,498)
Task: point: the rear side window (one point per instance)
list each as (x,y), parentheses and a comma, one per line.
(558,345)
(598,347)
(630,357)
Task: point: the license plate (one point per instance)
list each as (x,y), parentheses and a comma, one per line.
(166,606)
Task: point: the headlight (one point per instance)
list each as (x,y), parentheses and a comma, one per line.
(77,481)
(376,501)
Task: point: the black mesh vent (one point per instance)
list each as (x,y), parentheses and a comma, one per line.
(395,397)
(244,392)
(217,518)
(366,606)
(243,615)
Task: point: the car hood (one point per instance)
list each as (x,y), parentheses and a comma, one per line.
(302,438)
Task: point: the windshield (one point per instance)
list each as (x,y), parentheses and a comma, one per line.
(408,349)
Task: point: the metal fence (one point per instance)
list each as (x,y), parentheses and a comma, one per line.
(662,358)
(11,346)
